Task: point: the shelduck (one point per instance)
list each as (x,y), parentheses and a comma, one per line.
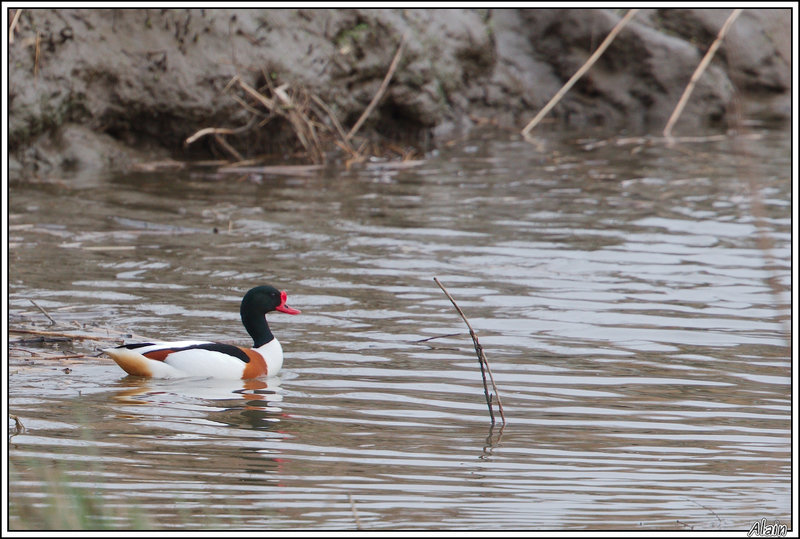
(211,359)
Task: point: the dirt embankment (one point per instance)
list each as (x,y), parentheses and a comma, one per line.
(106,88)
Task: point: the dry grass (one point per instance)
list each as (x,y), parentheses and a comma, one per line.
(313,123)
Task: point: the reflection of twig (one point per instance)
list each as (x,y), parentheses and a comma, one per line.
(707,509)
(490,442)
(765,244)
(355,513)
(381,89)
(698,72)
(590,145)
(481,359)
(763,240)
(19,428)
(436,337)
(578,74)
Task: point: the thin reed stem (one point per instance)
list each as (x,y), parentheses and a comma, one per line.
(698,72)
(59,334)
(484,363)
(13,26)
(52,322)
(384,85)
(579,73)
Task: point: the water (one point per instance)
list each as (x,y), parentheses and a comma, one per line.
(637,330)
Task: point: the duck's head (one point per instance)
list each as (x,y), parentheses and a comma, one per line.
(256,303)
(265,299)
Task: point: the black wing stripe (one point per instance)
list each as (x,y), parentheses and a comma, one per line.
(228,349)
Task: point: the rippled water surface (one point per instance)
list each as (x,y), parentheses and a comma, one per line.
(633,302)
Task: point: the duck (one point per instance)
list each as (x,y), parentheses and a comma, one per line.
(175,359)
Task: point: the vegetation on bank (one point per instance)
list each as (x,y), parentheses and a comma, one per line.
(308,86)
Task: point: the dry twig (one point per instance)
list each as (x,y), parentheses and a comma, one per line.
(67,335)
(296,107)
(52,322)
(436,337)
(37,355)
(345,142)
(209,131)
(698,72)
(13,26)
(227,147)
(481,359)
(36,54)
(578,74)
(284,170)
(381,90)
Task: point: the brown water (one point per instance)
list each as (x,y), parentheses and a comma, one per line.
(620,293)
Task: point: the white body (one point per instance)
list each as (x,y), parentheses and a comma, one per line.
(193,362)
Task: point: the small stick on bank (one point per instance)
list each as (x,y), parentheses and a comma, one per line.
(578,74)
(52,322)
(60,334)
(698,72)
(481,359)
(384,85)
(13,26)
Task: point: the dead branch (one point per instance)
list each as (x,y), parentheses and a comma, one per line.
(220,131)
(484,363)
(381,90)
(281,170)
(698,72)
(339,129)
(227,147)
(312,121)
(36,54)
(52,322)
(208,131)
(436,337)
(67,335)
(302,125)
(264,100)
(578,74)
(289,110)
(13,26)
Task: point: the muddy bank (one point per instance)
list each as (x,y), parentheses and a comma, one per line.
(93,89)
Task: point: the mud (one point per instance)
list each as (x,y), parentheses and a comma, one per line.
(98,89)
